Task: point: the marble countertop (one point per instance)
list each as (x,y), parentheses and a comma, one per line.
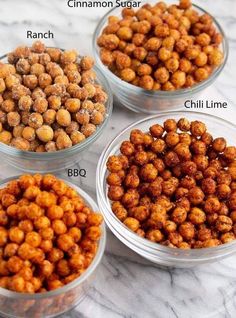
(126,285)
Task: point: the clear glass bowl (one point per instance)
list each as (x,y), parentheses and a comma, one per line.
(56,302)
(152,102)
(62,159)
(157,253)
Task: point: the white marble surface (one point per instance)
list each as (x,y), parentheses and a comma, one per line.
(128,286)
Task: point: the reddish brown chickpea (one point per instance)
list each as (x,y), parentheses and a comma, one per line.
(177,36)
(191,183)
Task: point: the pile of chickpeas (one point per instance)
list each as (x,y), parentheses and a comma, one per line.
(49,99)
(48,236)
(161,47)
(175,185)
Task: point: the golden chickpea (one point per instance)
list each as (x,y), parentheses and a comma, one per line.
(197,216)
(54,54)
(63,117)
(162,75)
(54,102)
(72,105)
(63,141)
(25,103)
(10,81)
(5,137)
(132,223)
(68,57)
(8,105)
(77,137)
(215,57)
(178,79)
(154,236)
(88,130)
(13,119)
(201,60)
(20,143)
(146,82)
(162,30)
(28,133)
(170,226)
(45,133)
(192,52)
(201,74)
(172,65)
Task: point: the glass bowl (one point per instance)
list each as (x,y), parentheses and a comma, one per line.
(140,100)
(157,253)
(56,302)
(62,159)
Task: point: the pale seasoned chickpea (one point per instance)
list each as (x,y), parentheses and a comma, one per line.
(35,120)
(63,141)
(63,117)
(54,102)
(77,137)
(28,133)
(5,137)
(45,133)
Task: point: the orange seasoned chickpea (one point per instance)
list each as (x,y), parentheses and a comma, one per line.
(59,227)
(33,239)
(26,226)
(25,251)
(17,284)
(55,212)
(16,235)
(65,242)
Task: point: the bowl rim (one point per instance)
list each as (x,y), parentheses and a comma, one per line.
(130,236)
(160,94)
(88,272)
(26,154)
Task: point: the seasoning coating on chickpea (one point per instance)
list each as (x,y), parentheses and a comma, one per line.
(43,243)
(46,89)
(161,42)
(174,185)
